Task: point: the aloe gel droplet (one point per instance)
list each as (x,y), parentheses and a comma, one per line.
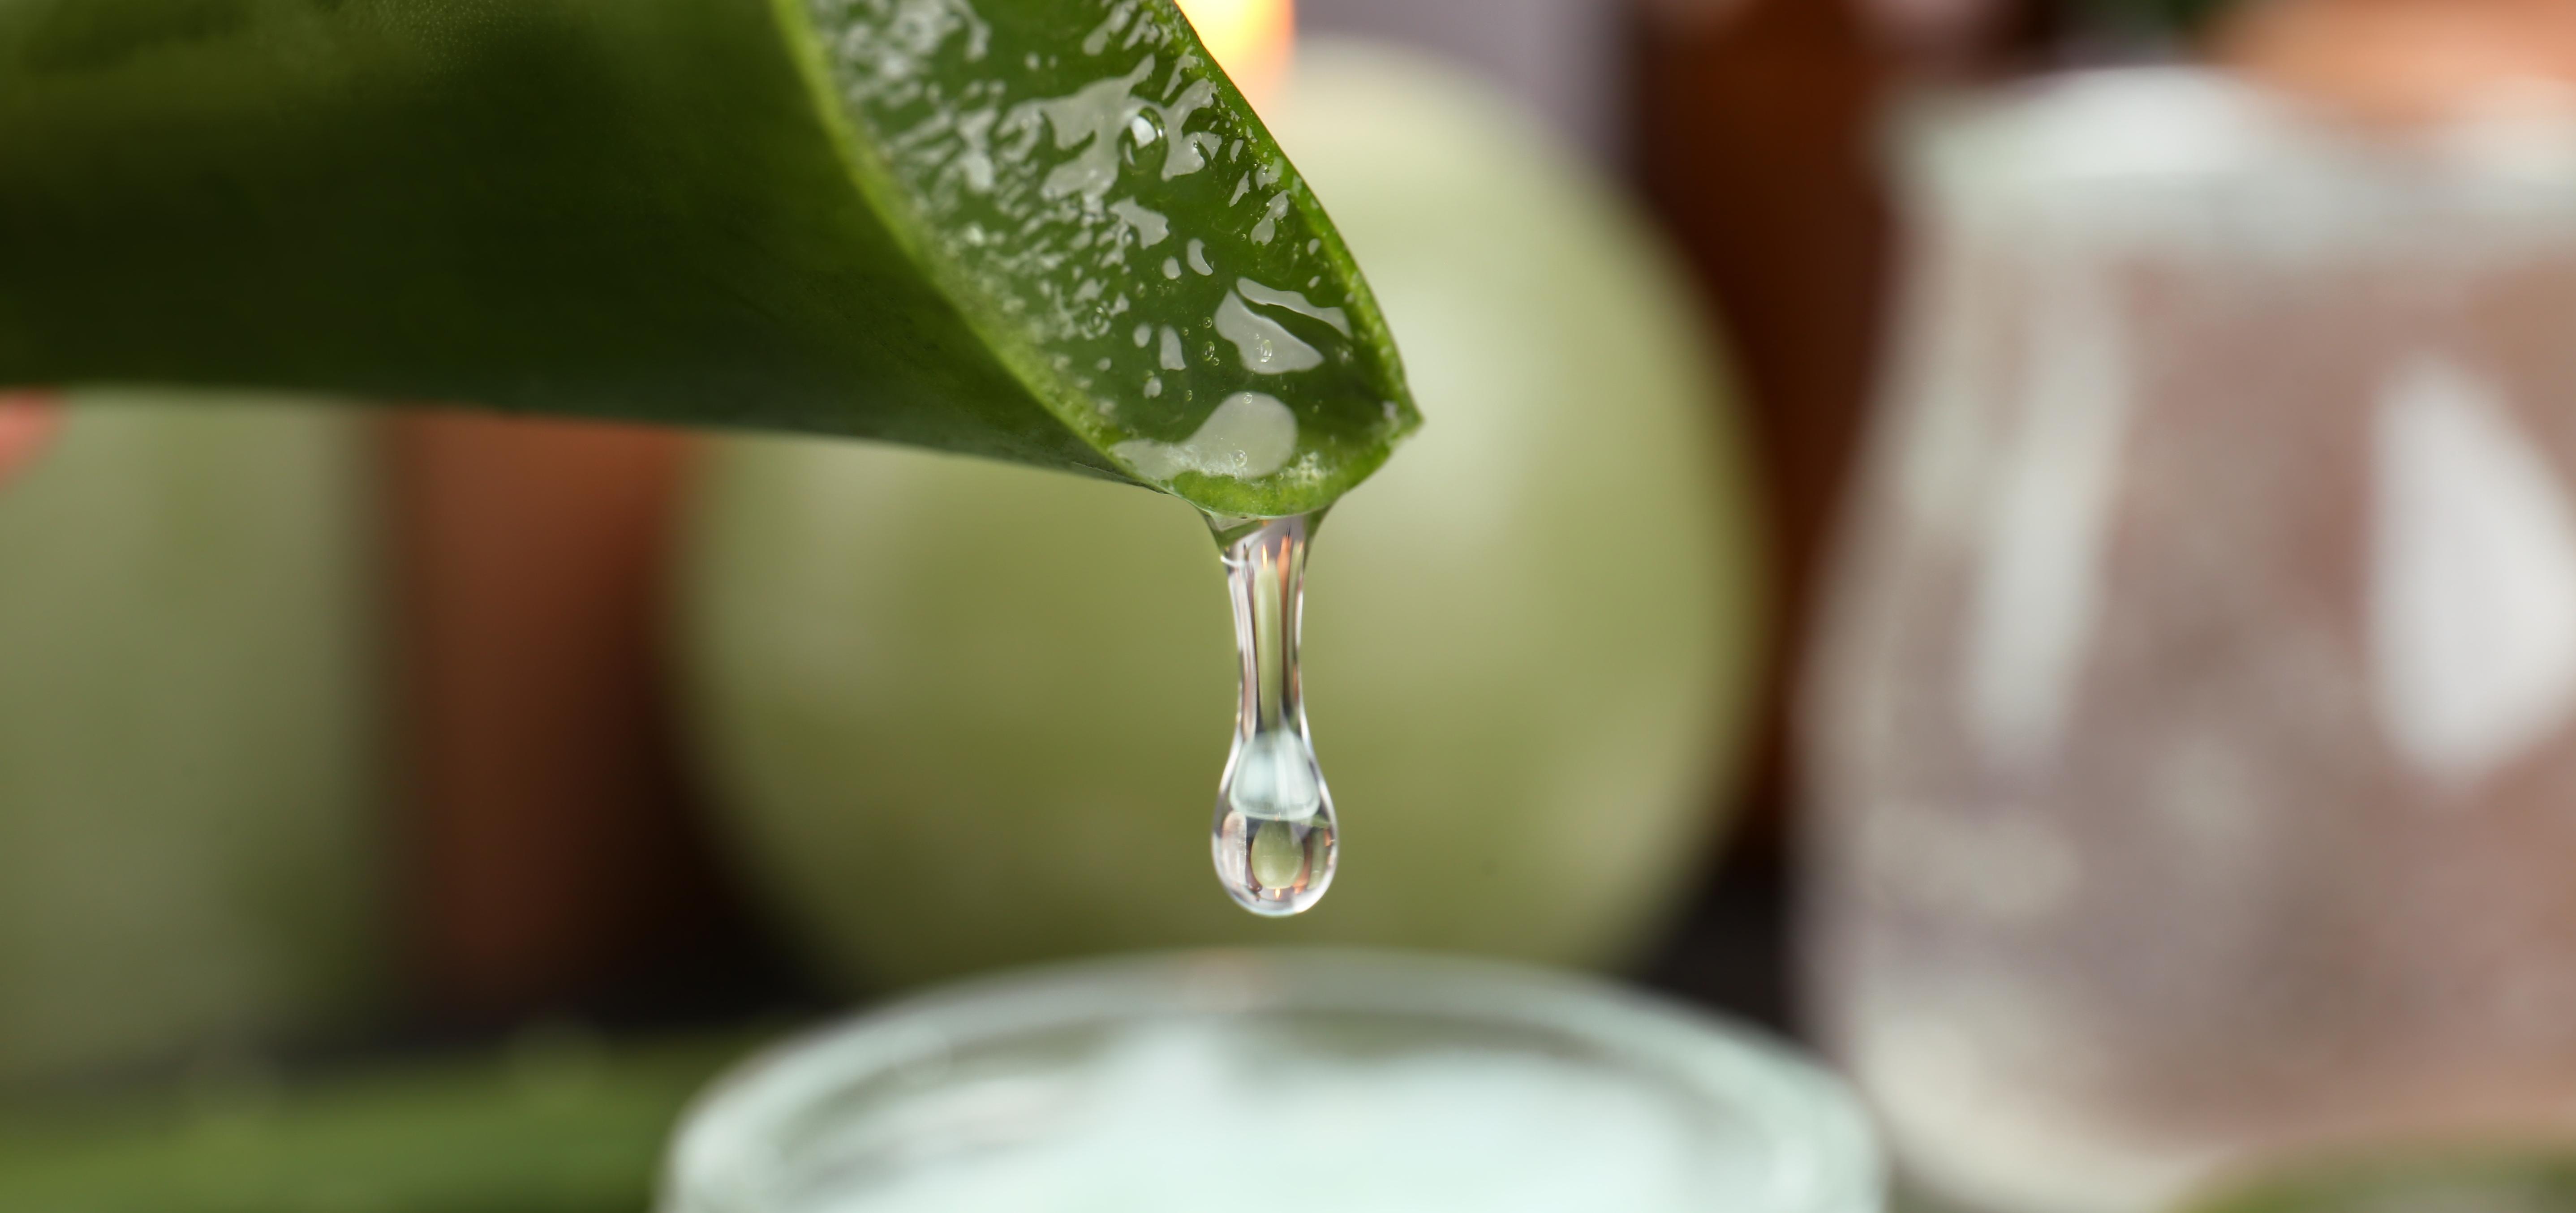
(1275,830)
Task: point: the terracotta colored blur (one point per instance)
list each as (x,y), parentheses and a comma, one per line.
(2401,61)
(26,420)
(554,859)
(1753,147)
(1758,144)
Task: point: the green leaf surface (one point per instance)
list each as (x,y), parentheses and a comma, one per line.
(1042,230)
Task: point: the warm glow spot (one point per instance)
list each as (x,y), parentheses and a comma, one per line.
(1251,40)
(26,418)
(2407,61)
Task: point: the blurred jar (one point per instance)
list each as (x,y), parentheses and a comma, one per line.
(2191,737)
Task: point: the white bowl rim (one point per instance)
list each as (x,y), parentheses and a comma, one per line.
(1825,1156)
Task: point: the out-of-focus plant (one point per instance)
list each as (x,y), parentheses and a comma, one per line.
(2173,16)
(2455,1180)
(557,1125)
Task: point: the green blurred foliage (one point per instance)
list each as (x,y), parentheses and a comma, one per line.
(558,1124)
(2183,17)
(2503,1179)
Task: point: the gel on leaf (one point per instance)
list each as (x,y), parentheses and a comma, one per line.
(1048,231)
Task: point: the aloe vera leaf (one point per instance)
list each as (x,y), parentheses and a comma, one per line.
(1041,230)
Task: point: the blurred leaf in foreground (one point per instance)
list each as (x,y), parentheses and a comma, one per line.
(558,1125)
(2529,1179)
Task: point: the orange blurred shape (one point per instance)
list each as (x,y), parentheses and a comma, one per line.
(1251,39)
(554,857)
(2402,61)
(26,418)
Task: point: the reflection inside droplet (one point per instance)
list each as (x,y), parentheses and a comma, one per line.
(1275,833)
